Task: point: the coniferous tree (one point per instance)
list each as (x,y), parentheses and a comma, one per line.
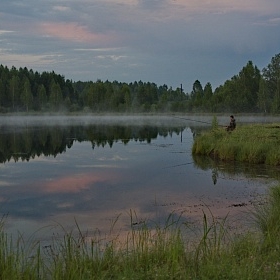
(271,74)
(42,96)
(14,90)
(207,97)
(55,95)
(2,92)
(263,101)
(26,95)
(197,94)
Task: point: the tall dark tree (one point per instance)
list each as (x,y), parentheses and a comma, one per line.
(197,94)
(2,92)
(248,86)
(207,97)
(125,97)
(26,95)
(240,93)
(41,96)
(14,90)
(263,100)
(271,74)
(55,95)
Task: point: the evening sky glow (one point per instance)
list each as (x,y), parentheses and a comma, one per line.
(168,42)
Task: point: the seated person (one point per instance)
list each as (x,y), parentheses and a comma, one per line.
(232,124)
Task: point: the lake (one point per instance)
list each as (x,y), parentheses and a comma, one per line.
(57,172)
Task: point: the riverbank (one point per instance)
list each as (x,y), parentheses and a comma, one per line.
(158,253)
(254,143)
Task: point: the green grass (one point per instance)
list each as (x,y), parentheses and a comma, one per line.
(257,144)
(164,252)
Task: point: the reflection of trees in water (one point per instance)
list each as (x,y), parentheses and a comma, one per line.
(224,169)
(24,143)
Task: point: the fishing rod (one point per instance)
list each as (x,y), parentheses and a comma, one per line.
(178,165)
(187,119)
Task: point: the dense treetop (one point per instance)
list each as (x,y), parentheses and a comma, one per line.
(251,90)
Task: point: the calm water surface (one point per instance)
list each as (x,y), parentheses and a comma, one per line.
(59,171)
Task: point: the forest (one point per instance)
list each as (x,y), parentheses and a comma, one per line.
(250,91)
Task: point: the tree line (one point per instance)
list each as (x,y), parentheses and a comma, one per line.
(251,90)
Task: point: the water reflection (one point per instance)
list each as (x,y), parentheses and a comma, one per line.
(95,172)
(223,169)
(24,143)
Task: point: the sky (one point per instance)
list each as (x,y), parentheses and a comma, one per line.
(170,42)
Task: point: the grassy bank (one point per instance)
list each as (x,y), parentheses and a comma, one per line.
(159,253)
(247,143)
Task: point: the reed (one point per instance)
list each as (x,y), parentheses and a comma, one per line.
(247,143)
(267,217)
(154,252)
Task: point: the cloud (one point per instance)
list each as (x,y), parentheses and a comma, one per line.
(29,60)
(61,8)
(226,6)
(112,57)
(72,31)
(274,21)
(98,49)
(152,4)
(194,6)
(5,32)
(166,41)
(122,2)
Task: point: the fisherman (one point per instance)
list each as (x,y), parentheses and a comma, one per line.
(232,124)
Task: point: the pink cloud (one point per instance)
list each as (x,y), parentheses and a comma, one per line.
(72,32)
(225,6)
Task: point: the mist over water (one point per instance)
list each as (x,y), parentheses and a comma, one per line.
(188,120)
(58,169)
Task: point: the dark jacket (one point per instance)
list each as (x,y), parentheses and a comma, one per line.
(232,124)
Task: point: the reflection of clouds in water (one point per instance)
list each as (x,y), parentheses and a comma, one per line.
(98,166)
(113,221)
(114,158)
(96,188)
(5,184)
(48,160)
(74,183)
(65,205)
(96,204)
(120,218)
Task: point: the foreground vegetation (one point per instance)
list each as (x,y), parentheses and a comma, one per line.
(160,253)
(256,143)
